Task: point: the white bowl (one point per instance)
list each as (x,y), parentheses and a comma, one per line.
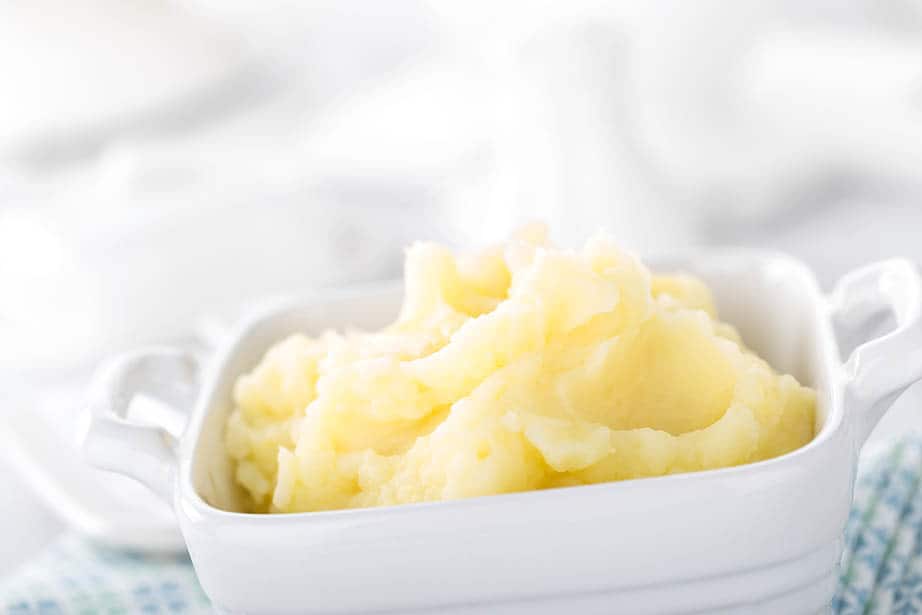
(759,538)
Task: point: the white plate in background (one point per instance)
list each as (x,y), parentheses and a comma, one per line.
(38,439)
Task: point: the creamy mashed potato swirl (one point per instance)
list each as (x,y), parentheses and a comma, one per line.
(521,367)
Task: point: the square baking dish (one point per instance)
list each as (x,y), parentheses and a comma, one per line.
(760,538)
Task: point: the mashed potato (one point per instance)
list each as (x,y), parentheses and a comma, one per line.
(522,367)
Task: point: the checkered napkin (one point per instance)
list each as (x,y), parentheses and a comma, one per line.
(75,577)
(881,569)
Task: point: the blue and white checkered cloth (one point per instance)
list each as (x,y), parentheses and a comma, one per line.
(75,577)
(881,569)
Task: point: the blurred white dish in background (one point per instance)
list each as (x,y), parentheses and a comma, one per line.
(38,437)
(100,505)
(27,513)
(77,70)
(96,277)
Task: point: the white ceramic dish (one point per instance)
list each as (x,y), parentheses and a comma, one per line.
(760,538)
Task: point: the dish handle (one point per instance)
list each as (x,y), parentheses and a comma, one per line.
(141,444)
(880,366)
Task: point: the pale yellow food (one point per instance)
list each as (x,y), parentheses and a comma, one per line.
(521,367)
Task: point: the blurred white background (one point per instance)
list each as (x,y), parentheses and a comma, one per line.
(165,164)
